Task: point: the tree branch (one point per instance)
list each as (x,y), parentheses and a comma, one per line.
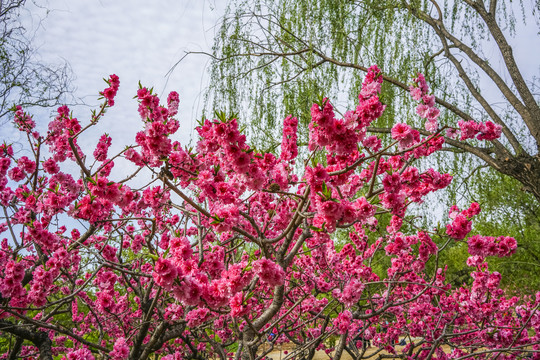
(39,338)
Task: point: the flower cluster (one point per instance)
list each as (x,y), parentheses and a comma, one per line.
(482,131)
(426,108)
(110,93)
(24,167)
(343,322)
(23,121)
(269,272)
(159,124)
(61,131)
(406,135)
(173,100)
(341,136)
(461,221)
(222,144)
(120,349)
(289,148)
(501,246)
(10,284)
(100,153)
(165,272)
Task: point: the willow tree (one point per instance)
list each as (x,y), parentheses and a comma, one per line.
(283,55)
(24,79)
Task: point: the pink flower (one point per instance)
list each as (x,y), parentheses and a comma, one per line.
(468,129)
(489,131)
(316,176)
(431,126)
(165,272)
(269,272)
(352,292)
(433,114)
(16,174)
(110,92)
(100,153)
(475,261)
(392,182)
(473,210)
(429,100)
(80,354)
(109,253)
(120,350)
(23,121)
(400,131)
(416,93)
(422,110)
(331,210)
(454,211)
(451,133)
(236,304)
(507,246)
(197,317)
(459,228)
(343,321)
(289,148)
(173,100)
(27,165)
(364,209)
(180,248)
(372,82)
(241,162)
(105,301)
(373,143)
(426,108)
(477,246)
(114,81)
(228,216)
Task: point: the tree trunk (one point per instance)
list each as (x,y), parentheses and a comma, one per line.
(525,169)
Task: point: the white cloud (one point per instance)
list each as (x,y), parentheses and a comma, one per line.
(137,40)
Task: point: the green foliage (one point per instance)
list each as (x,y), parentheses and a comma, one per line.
(508,211)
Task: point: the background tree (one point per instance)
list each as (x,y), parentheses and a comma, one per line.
(24,79)
(283,54)
(291,51)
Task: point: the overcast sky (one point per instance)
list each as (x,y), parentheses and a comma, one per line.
(141,40)
(137,40)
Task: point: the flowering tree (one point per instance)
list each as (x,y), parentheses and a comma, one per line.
(227,246)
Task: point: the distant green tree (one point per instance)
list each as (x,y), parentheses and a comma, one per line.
(504,212)
(515,213)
